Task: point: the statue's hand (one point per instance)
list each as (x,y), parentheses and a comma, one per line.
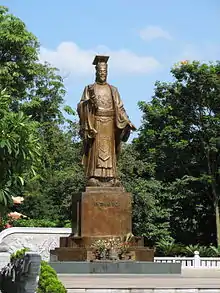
(132,126)
(92,133)
(93,103)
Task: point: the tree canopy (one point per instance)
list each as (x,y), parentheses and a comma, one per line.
(19,149)
(180,135)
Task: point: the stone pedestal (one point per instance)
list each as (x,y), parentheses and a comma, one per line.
(99,213)
(106,213)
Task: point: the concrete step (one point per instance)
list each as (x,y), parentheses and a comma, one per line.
(143,291)
(188,280)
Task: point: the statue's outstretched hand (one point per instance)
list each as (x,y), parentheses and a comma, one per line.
(132,126)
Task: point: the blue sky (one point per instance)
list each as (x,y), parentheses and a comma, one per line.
(143,38)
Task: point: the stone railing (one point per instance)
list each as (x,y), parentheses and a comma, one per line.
(196,261)
(40,240)
(21,275)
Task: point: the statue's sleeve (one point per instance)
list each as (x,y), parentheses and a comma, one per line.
(86,117)
(82,113)
(122,119)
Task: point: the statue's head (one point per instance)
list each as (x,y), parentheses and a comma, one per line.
(101,67)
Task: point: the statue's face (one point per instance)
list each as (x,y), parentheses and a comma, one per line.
(101,74)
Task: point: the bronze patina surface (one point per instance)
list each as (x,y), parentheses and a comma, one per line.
(104,124)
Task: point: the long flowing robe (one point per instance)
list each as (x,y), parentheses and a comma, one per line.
(103,125)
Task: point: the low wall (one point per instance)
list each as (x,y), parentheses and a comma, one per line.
(39,240)
(187,290)
(4,258)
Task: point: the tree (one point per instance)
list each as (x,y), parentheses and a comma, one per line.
(18,54)
(180,134)
(19,150)
(36,88)
(150,211)
(61,177)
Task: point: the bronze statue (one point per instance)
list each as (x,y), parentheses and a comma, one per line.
(104,124)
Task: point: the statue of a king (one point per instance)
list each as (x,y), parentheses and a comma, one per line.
(104,124)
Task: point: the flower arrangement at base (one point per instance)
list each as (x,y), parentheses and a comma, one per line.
(124,250)
(112,248)
(126,243)
(99,248)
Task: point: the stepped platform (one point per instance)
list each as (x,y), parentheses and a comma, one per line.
(115,267)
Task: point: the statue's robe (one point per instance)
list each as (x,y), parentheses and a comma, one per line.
(103,125)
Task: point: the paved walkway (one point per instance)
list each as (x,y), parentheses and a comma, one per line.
(189,279)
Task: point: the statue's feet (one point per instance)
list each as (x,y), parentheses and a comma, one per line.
(117,183)
(93,182)
(111,182)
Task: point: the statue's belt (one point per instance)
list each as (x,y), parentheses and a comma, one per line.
(106,113)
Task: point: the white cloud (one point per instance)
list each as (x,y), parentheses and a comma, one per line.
(152,32)
(72,59)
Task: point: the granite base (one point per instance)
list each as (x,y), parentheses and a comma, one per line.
(119,267)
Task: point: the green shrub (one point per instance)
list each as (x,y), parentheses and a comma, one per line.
(34,223)
(169,248)
(204,251)
(214,251)
(48,281)
(67,224)
(40,223)
(19,253)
